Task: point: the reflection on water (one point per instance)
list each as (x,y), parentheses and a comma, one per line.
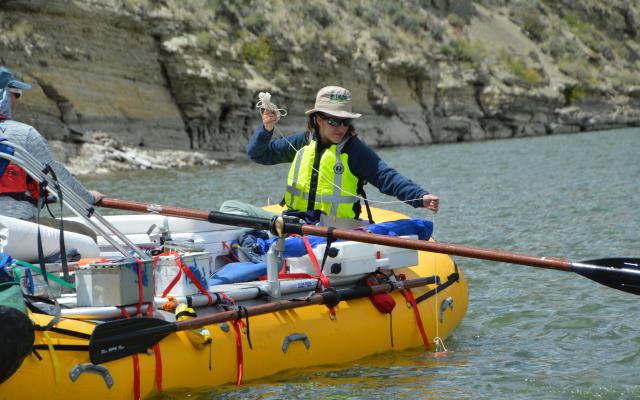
(529,332)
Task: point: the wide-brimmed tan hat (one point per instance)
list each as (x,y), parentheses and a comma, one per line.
(334,101)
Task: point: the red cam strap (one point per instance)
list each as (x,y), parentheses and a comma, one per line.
(312,256)
(187,271)
(408,295)
(237,324)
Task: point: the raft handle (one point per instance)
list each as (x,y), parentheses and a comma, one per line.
(101,370)
(302,337)
(448,302)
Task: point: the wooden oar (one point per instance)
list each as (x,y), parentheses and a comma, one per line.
(116,339)
(618,273)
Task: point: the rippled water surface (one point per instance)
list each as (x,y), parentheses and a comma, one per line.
(529,332)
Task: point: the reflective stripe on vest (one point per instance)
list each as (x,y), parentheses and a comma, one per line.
(335,194)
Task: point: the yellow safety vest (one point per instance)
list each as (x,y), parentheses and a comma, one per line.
(336,184)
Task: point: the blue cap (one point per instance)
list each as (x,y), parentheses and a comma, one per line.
(7,80)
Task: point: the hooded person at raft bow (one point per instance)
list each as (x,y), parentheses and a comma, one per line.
(19,197)
(330,165)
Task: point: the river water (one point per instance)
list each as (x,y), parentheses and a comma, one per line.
(529,332)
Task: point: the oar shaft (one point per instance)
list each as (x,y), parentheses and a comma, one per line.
(435,247)
(264,223)
(619,273)
(153,208)
(320,298)
(190,213)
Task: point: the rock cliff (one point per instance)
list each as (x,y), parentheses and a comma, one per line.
(185,75)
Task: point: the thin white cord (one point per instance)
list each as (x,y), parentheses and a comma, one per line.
(437,341)
(265,103)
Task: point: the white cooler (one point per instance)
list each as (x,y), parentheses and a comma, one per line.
(200,265)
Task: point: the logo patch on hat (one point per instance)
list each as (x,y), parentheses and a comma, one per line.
(340,98)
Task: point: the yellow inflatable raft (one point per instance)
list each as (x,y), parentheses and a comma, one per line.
(303,336)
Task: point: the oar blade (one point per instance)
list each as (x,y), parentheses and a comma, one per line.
(117,339)
(618,273)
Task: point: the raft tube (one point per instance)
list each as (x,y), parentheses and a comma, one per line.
(304,337)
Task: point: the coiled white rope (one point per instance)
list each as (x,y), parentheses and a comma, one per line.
(264,104)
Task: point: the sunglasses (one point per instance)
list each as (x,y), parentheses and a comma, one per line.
(16,93)
(335,122)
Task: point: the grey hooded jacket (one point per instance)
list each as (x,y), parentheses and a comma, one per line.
(27,137)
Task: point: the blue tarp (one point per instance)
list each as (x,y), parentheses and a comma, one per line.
(239,272)
(5,261)
(294,246)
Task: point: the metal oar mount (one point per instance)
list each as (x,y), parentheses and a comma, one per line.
(618,273)
(44,175)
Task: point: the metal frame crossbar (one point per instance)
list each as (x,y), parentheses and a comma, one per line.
(72,200)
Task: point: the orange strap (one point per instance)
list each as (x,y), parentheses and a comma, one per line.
(187,271)
(239,360)
(156,351)
(289,276)
(321,276)
(136,364)
(175,279)
(408,295)
(237,324)
(136,361)
(136,377)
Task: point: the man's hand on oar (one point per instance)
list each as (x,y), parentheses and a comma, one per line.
(618,273)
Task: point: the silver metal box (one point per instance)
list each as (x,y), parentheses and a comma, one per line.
(115,283)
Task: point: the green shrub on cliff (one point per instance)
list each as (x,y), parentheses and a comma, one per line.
(257,52)
(517,66)
(461,49)
(573,93)
(204,39)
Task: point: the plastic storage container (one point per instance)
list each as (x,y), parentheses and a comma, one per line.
(200,266)
(115,283)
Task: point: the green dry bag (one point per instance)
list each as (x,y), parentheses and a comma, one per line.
(16,329)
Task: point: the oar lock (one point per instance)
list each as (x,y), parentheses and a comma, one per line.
(280,225)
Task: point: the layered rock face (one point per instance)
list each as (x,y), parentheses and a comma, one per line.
(186,75)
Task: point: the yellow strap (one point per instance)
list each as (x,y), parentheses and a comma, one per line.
(54,357)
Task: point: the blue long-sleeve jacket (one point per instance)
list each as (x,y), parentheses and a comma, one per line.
(363,162)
